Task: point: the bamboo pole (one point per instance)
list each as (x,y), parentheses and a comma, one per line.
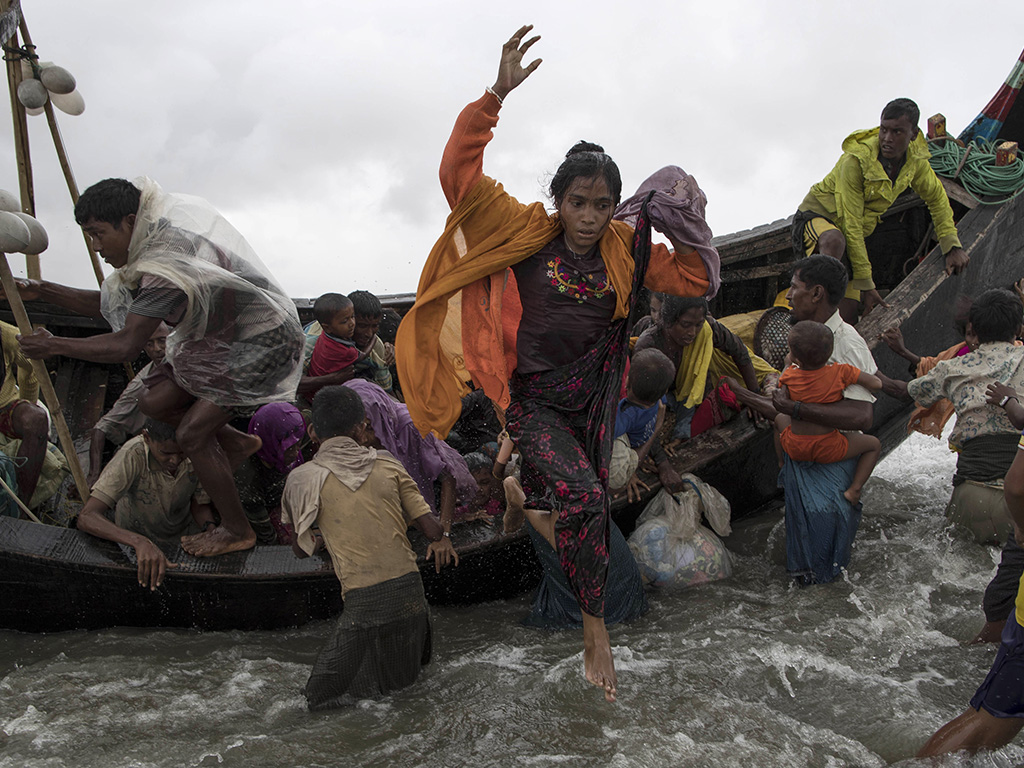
(20,503)
(21,147)
(45,385)
(62,157)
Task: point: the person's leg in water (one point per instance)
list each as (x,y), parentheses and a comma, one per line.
(214,448)
(30,425)
(552,451)
(974,730)
(869,449)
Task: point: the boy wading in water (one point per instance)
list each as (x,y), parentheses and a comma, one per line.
(812,379)
(235,343)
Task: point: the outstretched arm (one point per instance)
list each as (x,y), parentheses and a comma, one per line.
(462,164)
(78,300)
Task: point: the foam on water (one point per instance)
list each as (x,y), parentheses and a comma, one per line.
(750,671)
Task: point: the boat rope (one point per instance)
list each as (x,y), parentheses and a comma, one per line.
(974,167)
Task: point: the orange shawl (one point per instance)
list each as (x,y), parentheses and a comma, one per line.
(463,287)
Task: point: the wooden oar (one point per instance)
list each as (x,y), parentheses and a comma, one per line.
(45,385)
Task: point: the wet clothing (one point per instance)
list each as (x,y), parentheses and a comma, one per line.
(363,502)
(963,381)
(555,605)
(822,385)
(145,498)
(380,643)
(820,523)
(1002,692)
(822,449)
(857,191)
(573,296)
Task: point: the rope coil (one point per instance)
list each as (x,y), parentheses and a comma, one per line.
(974,167)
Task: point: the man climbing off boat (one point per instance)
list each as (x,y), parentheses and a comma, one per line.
(236,341)
(844,208)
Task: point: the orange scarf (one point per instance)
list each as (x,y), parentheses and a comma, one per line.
(464,323)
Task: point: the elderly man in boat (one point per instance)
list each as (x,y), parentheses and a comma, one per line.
(820,522)
(236,341)
(844,208)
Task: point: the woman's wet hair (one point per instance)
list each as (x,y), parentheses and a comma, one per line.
(337,411)
(673,307)
(585,161)
(996,315)
(109,200)
(811,344)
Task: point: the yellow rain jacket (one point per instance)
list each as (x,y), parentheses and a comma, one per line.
(857,192)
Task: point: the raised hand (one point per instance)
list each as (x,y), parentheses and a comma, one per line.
(511,71)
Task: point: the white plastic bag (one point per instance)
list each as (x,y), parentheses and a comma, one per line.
(670,545)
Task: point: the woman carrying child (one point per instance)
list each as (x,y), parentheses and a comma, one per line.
(539,319)
(703,352)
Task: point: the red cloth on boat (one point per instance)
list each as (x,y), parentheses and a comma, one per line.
(712,409)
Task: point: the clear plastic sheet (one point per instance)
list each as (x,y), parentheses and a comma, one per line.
(239,342)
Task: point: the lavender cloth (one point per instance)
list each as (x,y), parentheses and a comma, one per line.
(280,426)
(677,211)
(424,458)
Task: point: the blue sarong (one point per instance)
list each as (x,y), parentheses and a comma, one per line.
(820,522)
(555,605)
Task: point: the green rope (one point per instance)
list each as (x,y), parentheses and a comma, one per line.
(986,182)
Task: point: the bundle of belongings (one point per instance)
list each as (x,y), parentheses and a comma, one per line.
(671,546)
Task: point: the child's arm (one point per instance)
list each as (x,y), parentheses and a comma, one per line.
(504,454)
(869,381)
(894,338)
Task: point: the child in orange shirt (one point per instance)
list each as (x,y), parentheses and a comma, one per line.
(813,379)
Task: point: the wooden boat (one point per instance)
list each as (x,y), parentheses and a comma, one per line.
(57,579)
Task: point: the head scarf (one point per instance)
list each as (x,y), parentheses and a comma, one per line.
(280,426)
(677,210)
(424,458)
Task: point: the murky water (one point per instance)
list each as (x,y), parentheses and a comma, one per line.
(745,672)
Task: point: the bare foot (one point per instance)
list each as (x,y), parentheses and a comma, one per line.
(238,446)
(218,541)
(851,495)
(515,500)
(598,664)
(992,632)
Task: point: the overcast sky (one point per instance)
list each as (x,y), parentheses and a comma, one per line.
(317,127)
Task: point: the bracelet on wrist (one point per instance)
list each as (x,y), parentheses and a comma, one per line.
(490,90)
(796,410)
